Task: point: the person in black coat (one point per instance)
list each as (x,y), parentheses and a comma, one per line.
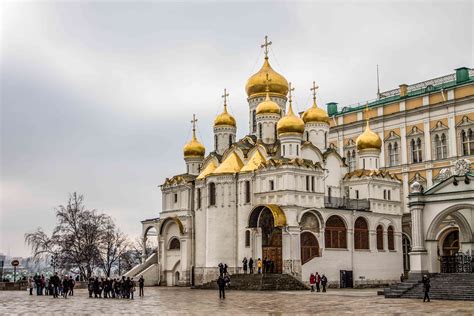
(141,284)
(426,288)
(324,282)
(251,266)
(55,280)
(244,263)
(221,284)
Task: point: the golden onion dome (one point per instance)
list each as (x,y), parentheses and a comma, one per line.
(256,83)
(290,123)
(368,139)
(194,148)
(224,119)
(268,106)
(315,114)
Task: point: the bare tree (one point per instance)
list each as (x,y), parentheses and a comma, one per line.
(80,239)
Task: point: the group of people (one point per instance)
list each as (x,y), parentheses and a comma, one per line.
(265,266)
(55,285)
(115,288)
(318,281)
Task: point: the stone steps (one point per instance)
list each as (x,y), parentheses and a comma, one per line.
(456,286)
(260,282)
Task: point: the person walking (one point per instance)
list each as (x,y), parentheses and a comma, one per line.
(324,282)
(426,288)
(251,265)
(402,277)
(71,286)
(318,282)
(141,284)
(312,281)
(259,266)
(244,263)
(133,286)
(221,284)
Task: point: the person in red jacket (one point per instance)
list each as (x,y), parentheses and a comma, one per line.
(312,281)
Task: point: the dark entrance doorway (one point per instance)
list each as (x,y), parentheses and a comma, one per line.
(271,240)
(346,279)
(451,243)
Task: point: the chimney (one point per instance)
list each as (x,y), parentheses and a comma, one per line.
(403,90)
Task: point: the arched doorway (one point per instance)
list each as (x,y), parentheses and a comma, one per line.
(450,243)
(270,219)
(176,278)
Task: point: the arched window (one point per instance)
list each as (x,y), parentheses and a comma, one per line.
(198,198)
(309,247)
(361,234)
(390,155)
(174,244)
(336,233)
(247,238)
(379,237)
(325,139)
(215,141)
(230,140)
(467,142)
(212,193)
(395,154)
(437,143)
(416,150)
(419,149)
(390,238)
(406,250)
(260,131)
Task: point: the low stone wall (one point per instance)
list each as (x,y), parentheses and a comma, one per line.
(13,286)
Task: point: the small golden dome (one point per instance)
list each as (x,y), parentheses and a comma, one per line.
(368,139)
(194,148)
(224,118)
(290,123)
(315,114)
(256,83)
(268,106)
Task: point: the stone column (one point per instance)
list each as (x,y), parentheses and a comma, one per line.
(427,137)
(418,254)
(403,139)
(452,149)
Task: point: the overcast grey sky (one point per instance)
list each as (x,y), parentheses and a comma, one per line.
(96,97)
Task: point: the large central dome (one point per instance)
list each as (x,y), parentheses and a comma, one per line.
(257,82)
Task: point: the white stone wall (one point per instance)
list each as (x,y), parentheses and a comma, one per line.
(225,138)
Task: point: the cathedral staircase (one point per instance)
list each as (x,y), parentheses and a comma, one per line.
(444,286)
(260,282)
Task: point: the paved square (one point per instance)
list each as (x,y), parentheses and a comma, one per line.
(206,302)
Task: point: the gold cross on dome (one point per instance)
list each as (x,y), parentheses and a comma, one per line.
(225,95)
(289,91)
(314,88)
(266,44)
(193,121)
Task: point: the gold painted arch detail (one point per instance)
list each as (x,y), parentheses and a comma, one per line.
(176,220)
(279,217)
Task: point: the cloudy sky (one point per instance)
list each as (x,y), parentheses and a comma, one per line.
(96,97)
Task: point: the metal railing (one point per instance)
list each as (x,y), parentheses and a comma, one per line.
(346,203)
(459,263)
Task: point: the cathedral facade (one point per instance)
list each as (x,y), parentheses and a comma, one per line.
(282,193)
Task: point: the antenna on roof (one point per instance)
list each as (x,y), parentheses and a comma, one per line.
(378,83)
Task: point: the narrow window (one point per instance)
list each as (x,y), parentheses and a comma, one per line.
(283,150)
(379,237)
(212,194)
(247,238)
(254,121)
(388,195)
(357,194)
(247,191)
(391,239)
(215,141)
(297,150)
(419,149)
(312,183)
(325,139)
(260,132)
(272,185)
(384,194)
(363,163)
(176,197)
(307,183)
(198,198)
(230,140)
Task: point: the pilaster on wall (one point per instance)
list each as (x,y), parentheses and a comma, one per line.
(403,138)
(452,136)
(291,250)
(426,127)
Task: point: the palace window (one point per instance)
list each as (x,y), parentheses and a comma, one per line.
(392,154)
(390,238)
(467,142)
(212,194)
(312,183)
(174,244)
(361,234)
(309,247)
(441,148)
(379,237)
(416,150)
(307,183)
(198,198)
(336,233)
(247,238)
(247,191)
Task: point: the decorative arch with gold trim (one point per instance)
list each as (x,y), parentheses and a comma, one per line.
(279,216)
(176,220)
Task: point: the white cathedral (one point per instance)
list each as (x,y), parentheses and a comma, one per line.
(279,193)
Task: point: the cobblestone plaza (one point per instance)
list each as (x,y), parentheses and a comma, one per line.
(206,302)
